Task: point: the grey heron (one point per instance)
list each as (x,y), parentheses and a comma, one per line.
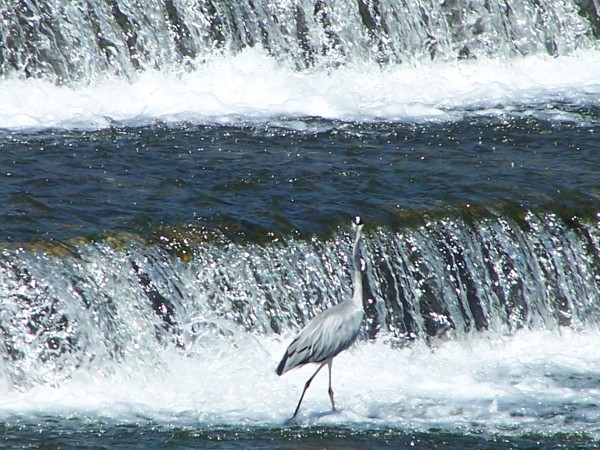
(330,332)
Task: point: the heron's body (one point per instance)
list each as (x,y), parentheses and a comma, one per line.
(325,336)
(330,332)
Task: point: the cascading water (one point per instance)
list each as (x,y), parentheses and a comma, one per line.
(97,302)
(177,179)
(491,275)
(86,40)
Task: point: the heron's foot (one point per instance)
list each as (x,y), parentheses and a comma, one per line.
(291,421)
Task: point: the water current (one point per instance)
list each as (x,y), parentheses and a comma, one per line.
(177,183)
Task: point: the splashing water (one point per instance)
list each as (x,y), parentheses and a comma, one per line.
(136,330)
(74,41)
(251,87)
(481,325)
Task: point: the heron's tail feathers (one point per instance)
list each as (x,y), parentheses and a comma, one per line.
(281,367)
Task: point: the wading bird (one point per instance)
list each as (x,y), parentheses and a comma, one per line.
(330,332)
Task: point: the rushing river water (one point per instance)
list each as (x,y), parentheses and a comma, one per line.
(177,181)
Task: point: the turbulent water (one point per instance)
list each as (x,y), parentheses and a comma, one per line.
(177,183)
(85,40)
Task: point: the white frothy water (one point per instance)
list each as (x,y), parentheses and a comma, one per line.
(252,87)
(532,382)
(84,341)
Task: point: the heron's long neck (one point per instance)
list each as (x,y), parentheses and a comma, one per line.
(357,293)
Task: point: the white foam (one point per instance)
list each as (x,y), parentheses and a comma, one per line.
(532,382)
(253,87)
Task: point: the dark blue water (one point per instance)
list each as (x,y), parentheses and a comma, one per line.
(59,185)
(88,434)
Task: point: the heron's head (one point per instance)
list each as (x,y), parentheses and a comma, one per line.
(357,224)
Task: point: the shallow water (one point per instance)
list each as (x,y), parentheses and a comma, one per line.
(532,390)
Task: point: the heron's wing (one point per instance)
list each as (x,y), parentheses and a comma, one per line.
(332,331)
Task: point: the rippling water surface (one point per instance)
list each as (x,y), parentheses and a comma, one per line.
(306,174)
(177,181)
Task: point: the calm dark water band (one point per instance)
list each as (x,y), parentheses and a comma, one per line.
(74,434)
(58,185)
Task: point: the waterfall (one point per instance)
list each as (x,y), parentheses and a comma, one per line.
(86,40)
(496,274)
(68,305)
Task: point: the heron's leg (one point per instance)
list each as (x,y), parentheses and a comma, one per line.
(305,388)
(329,364)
